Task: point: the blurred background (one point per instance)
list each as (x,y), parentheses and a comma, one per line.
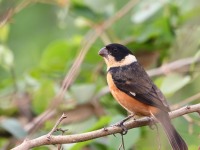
(43,42)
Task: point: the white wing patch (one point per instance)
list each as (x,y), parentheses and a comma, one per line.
(132,93)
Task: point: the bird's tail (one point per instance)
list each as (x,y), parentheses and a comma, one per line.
(174,137)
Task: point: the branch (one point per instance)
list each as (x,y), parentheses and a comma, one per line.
(173,66)
(43,140)
(186,101)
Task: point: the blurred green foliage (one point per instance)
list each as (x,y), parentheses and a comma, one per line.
(39,41)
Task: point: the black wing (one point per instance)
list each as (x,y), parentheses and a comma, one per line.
(134,81)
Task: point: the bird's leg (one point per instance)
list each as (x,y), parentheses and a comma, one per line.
(121,124)
(125,119)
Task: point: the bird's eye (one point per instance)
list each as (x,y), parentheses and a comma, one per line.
(115,50)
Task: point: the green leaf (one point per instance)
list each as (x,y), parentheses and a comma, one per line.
(100,6)
(41,148)
(102,122)
(6,57)
(147,9)
(190,136)
(173,83)
(14,127)
(42,96)
(3,141)
(83,92)
(4,31)
(58,55)
(80,145)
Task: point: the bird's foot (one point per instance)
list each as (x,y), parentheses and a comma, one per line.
(121,124)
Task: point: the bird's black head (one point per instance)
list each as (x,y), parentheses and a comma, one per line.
(116,55)
(118,51)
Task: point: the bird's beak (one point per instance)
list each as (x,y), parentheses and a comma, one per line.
(103,52)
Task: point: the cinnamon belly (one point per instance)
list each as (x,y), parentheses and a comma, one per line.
(129,103)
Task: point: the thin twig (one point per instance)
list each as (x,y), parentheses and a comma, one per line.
(101,132)
(38,121)
(22,5)
(186,101)
(62,131)
(173,66)
(56,125)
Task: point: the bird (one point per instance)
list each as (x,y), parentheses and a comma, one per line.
(133,89)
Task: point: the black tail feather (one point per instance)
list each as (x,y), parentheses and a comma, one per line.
(175,139)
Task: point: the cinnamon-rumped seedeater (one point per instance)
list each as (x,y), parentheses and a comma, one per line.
(133,89)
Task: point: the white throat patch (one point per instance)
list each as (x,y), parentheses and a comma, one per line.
(111,62)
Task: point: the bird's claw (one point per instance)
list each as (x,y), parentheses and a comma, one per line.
(124,129)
